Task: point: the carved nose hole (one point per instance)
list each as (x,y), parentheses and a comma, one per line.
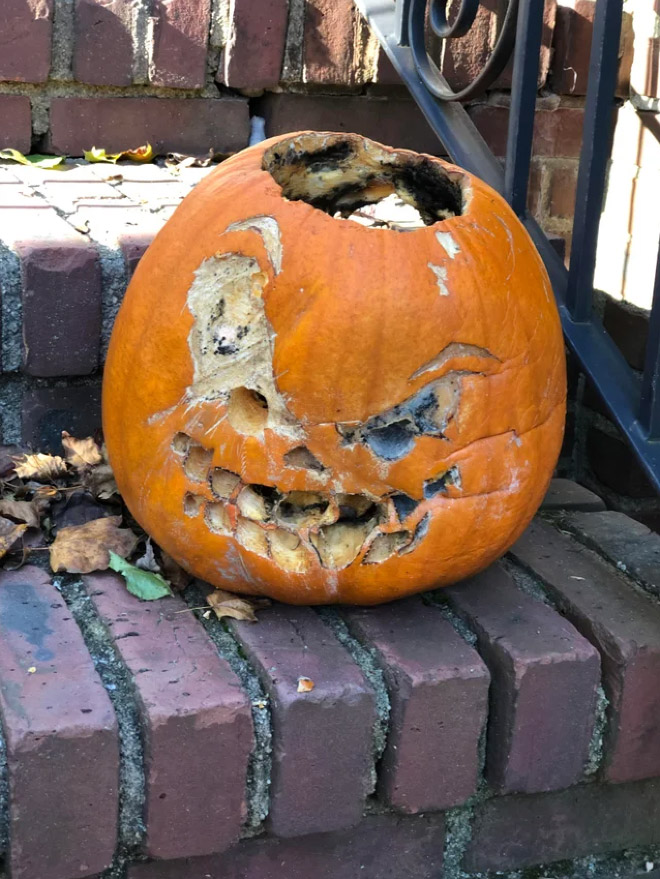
(247,411)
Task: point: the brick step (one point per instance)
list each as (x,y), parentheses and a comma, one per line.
(143,733)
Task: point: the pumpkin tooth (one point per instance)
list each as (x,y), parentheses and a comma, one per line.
(252,536)
(217,517)
(439,484)
(384,546)
(339,544)
(223,482)
(192,504)
(288,551)
(197,463)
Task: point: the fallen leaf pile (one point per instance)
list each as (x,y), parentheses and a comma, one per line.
(69,507)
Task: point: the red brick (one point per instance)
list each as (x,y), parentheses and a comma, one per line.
(331,42)
(169,124)
(180,30)
(16,130)
(624,541)
(321,738)
(133,247)
(26,27)
(61,308)
(557,132)
(625,627)
(616,466)
(438,689)
(46,412)
(399,123)
(645,78)
(519,831)
(563,183)
(60,733)
(543,691)
(572,48)
(196,721)
(380,847)
(466,57)
(564,494)
(255,24)
(103,45)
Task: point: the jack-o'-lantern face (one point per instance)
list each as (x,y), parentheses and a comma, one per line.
(309,397)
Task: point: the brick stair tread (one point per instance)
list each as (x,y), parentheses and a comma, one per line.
(193,705)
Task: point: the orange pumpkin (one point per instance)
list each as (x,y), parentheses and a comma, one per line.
(305,407)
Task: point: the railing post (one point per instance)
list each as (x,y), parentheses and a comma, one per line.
(603,66)
(523,103)
(649,408)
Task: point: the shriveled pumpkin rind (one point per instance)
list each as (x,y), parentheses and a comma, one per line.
(360,320)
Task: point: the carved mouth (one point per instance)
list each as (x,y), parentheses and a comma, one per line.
(298,528)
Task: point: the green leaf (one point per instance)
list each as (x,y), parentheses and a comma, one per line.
(142,584)
(36,159)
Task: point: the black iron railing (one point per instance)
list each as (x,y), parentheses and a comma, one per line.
(400,26)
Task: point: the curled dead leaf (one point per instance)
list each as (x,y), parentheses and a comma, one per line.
(9,534)
(41,467)
(100,480)
(23,511)
(183,160)
(305,685)
(226,604)
(81,453)
(82,549)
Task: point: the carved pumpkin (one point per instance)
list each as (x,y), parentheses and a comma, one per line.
(305,407)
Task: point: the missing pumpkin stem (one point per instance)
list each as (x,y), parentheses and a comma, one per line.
(343,174)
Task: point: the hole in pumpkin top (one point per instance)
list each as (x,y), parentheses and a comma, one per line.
(247,411)
(351,177)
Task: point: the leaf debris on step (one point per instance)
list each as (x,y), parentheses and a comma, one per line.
(142,584)
(238,607)
(81,549)
(43,468)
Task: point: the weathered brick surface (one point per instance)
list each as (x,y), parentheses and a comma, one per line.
(61,309)
(180,30)
(60,733)
(46,412)
(564,494)
(398,123)
(464,58)
(16,129)
(321,738)
(556,132)
(561,198)
(263,24)
(169,124)
(103,45)
(26,27)
(543,691)
(624,541)
(380,847)
(625,627)
(331,42)
(438,689)
(572,48)
(518,831)
(133,247)
(196,721)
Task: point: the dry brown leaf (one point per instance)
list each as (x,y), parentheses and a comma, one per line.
(9,534)
(82,549)
(305,685)
(100,482)
(173,572)
(24,511)
(81,453)
(40,467)
(226,604)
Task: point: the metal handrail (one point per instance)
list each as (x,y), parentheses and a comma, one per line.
(400,26)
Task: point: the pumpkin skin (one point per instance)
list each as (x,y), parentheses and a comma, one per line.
(299,406)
